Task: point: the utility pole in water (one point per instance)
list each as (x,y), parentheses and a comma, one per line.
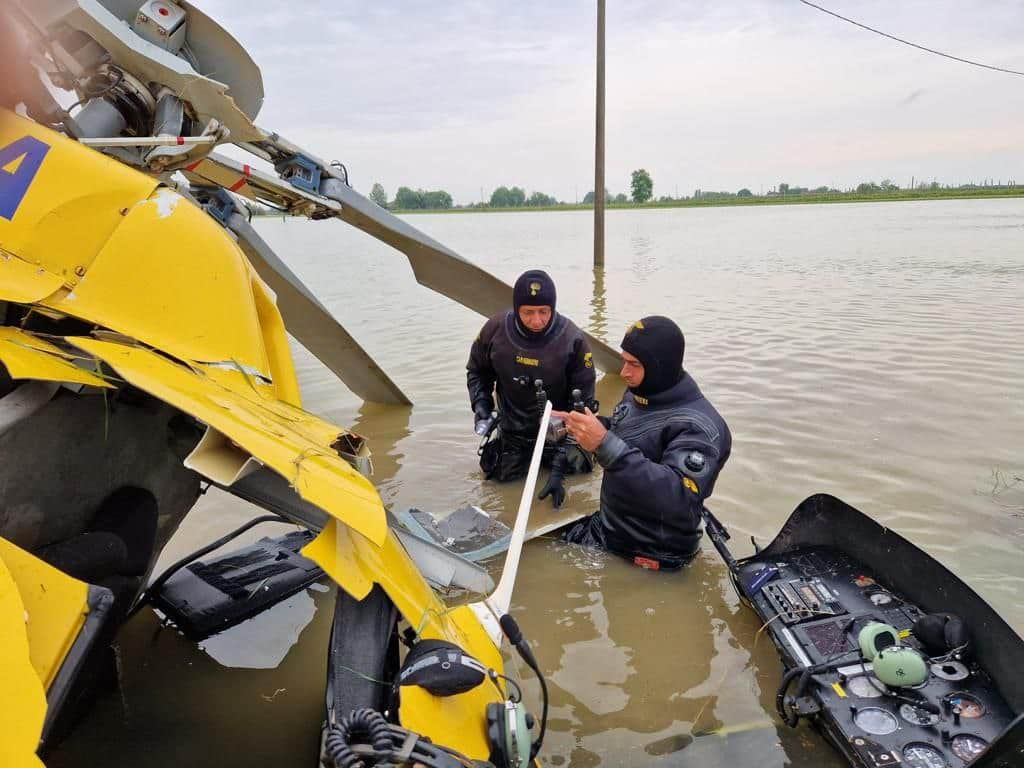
(599,145)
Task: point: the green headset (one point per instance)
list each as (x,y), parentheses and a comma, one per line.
(895,665)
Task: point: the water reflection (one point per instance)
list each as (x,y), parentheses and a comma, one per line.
(598,322)
(386,427)
(653,668)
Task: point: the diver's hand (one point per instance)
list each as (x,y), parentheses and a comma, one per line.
(586,429)
(559,414)
(482,418)
(555,489)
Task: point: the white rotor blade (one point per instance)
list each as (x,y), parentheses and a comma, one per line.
(496,605)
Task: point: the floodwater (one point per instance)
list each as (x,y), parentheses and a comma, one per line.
(872,351)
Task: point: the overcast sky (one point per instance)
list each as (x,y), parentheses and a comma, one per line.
(466,95)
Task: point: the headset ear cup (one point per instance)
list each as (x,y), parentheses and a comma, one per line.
(955,632)
(930,630)
(497,734)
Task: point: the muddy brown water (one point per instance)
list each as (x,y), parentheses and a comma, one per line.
(873,351)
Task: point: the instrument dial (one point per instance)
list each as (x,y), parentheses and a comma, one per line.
(875,721)
(970,707)
(917,716)
(866,689)
(967,746)
(921,755)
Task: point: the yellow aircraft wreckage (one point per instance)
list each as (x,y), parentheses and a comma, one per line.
(144,354)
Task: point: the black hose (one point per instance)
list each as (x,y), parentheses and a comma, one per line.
(788,714)
(173,569)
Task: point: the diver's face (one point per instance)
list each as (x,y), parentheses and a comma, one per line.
(533,317)
(632,370)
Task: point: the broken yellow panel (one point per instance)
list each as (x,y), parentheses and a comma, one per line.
(293,447)
(55,608)
(275,342)
(171,277)
(69,197)
(356,564)
(219,459)
(25,283)
(22,698)
(28,357)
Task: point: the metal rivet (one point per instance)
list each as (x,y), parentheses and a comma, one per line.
(80,271)
(123,211)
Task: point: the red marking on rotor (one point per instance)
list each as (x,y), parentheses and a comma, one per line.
(247,171)
(181,140)
(163,11)
(194,165)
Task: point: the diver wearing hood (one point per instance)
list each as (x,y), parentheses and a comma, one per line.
(516,348)
(661,450)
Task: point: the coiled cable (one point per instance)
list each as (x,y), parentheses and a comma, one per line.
(365,738)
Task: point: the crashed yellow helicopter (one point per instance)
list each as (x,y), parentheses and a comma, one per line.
(144,351)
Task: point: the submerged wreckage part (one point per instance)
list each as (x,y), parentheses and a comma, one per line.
(21,726)
(357,565)
(295,444)
(852,607)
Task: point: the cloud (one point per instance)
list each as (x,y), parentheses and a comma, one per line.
(471,94)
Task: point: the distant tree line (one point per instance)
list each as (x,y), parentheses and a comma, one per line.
(642,192)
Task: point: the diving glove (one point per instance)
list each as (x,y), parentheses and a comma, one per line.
(555,488)
(482,418)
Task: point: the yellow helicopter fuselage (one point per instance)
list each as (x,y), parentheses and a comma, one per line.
(162,359)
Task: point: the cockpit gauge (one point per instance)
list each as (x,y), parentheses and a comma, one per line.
(970,707)
(951,670)
(921,755)
(967,746)
(865,688)
(875,721)
(917,716)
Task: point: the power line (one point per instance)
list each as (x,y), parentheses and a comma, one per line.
(912,45)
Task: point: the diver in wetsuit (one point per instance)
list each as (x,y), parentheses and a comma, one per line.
(661,450)
(515,349)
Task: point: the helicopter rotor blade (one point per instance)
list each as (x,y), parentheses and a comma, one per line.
(438,267)
(313,325)
(434,265)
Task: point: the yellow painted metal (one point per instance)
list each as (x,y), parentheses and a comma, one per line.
(22,698)
(23,282)
(290,441)
(356,564)
(73,204)
(55,608)
(96,240)
(275,339)
(170,277)
(28,357)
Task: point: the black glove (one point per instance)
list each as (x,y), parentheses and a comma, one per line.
(554,488)
(481,415)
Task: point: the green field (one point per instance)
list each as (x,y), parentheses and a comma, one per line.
(810,198)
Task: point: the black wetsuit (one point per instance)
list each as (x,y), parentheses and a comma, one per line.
(508,361)
(661,457)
